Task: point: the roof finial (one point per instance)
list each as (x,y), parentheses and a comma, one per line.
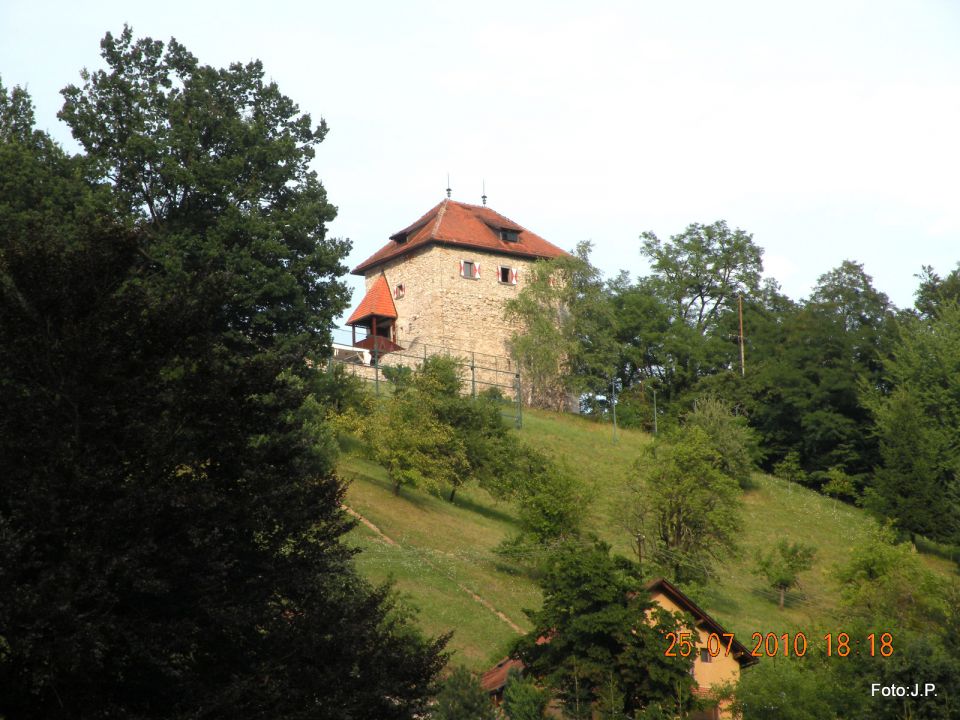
(448,185)
(484,196)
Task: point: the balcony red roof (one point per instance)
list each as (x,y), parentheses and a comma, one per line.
(459,224)
(378,301)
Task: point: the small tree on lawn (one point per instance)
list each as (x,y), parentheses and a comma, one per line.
(683,511)
(782,566)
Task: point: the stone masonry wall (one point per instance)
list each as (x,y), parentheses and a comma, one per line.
(442,310)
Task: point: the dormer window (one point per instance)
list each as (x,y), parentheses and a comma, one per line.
(507,235)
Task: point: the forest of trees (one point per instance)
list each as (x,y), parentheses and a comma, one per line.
(847,394)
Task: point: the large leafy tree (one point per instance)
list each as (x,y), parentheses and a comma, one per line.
(566,346)
(697,277)
(170,518)
(683,510)
(597,630)
(803,391)
(917,426)
(703,269)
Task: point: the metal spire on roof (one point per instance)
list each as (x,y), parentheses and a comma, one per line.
(448,185)
(484,196)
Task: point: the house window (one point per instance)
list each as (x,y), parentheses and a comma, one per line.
(705,655)
(399,291)
(470,269)
(508,275)
(509,235)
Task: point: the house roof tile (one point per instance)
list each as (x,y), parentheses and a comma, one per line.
(455,223)
(378,301)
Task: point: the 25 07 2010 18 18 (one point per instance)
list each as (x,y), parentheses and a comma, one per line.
(771,644)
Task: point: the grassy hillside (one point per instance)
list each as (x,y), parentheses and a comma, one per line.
(440,553)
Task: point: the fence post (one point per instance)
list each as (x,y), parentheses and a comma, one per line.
(473,374)
(613,405)
(654,412)
(516,383)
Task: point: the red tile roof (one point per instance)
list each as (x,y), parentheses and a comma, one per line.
(378,301)
(460,224)
(495,679)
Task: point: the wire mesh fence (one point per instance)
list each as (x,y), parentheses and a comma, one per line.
(480,373)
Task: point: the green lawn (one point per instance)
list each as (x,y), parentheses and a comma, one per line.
(444,550)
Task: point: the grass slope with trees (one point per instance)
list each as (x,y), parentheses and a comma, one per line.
(442,545)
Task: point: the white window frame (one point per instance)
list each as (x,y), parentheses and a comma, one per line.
(475,269)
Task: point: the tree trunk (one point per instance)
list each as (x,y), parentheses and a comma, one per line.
(783,592)
(453,491)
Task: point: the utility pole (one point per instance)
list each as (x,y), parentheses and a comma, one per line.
(740,304)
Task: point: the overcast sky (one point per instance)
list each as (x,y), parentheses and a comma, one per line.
(829,130)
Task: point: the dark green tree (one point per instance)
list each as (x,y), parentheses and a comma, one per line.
(170,523)
(936,291)
(803,392)
(597,630)
(462,698)
(523,700)
(917,426)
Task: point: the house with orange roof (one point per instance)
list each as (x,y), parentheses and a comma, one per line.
(442,283)
(717,658)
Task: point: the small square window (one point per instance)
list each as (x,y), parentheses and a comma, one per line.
(467,269)
(705,655)
(399,291)
(504,274)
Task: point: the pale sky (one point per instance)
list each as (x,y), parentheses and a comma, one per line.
(829,130)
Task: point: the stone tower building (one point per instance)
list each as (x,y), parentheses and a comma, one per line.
(442,282)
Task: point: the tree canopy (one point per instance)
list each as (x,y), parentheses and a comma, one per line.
(566,345)
(683,510)
(170,522)
(703,268)
(593,633)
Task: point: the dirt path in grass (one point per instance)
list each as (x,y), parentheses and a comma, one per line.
(390,541)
